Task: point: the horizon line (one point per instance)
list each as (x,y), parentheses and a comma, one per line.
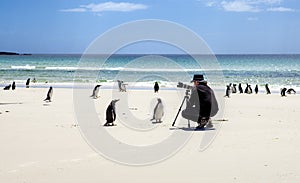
(28,53)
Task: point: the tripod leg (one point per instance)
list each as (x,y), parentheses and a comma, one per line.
(178,111)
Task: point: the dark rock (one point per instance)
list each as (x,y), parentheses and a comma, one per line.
(9,53)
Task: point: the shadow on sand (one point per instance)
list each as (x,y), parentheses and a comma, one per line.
(191,129)
(11,103)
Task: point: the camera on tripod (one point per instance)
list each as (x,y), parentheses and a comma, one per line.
(187,87)
(187,94)
(181,85)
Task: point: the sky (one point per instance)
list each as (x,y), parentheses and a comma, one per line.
(227,26)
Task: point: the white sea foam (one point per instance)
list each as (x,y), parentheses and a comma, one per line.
(60,68)
(125,69)
(146,69)
(23,67)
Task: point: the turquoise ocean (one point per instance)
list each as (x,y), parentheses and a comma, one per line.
(276,70)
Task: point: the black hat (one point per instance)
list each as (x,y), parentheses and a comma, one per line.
(198,77)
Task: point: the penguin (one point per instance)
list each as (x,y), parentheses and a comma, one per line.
(156,87)
(267,89)
(27,83)
(290,91)
(227,93)
(248,89)
(256,89)
(158,112)
(282,92)
(13,86)
(122,86)
(7,87)
(111,113)
(49,94)
(240,88)
(233,89)
(119,84)
(96,91)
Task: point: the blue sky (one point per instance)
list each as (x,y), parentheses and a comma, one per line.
(228,26)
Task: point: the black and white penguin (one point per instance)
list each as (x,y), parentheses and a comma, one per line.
(27,83)
(248,89)
(122,86)
(156,87)
(227,92)
(49,94)
(96,92)
(158,112)
(111,113)
(256,89)
(7,87)
(233,89)
(240,88)
(267,89)
(290,91)
(282,92)
(119,84)
(13,86)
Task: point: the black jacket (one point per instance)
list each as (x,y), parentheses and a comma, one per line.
(203,98)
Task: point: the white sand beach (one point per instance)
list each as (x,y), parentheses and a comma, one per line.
(42,142)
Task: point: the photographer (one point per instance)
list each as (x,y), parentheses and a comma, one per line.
(202,103)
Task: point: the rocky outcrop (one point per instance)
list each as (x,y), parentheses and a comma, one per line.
(9,53)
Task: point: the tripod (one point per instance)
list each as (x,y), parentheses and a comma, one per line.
(184,99)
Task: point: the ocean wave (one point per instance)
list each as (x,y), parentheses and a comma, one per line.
(156,69)
(61,68)
(126,69)
(23,67)
(54,68)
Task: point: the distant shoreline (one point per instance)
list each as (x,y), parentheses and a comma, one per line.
(13,53)
(143,54)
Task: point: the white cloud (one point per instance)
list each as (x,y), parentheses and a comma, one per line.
(74,10)
(270,2)
(108,6)
(281,9)
(239,6)
(211,3)
(249,5)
